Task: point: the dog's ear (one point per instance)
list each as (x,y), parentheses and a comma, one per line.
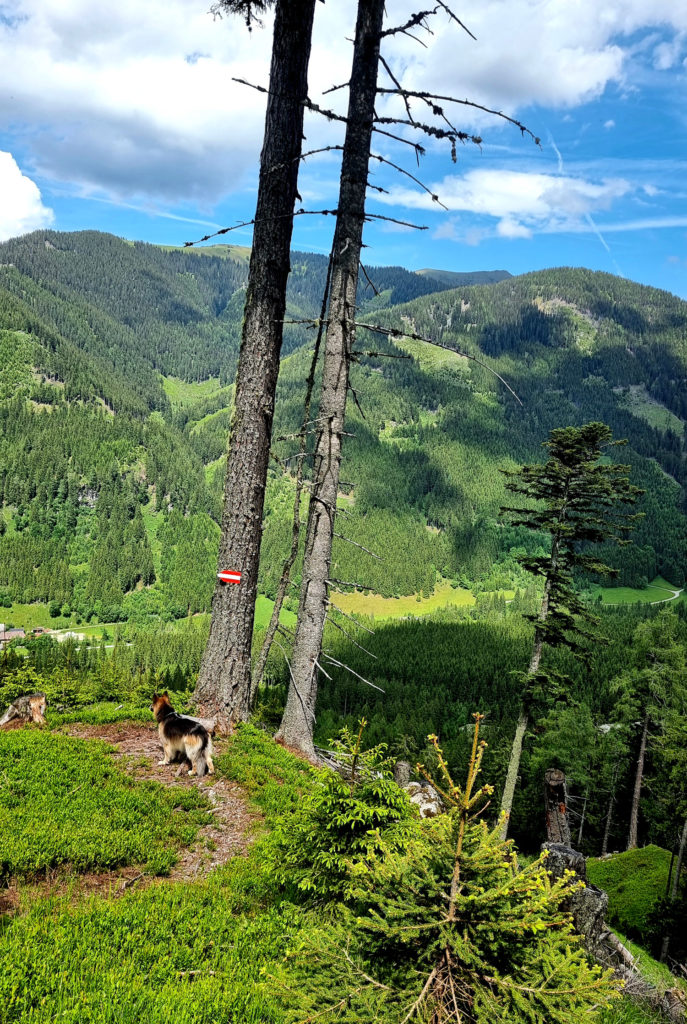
(165,694)
(155,696)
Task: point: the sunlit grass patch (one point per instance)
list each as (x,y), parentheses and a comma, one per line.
(635,881)
(659,590)
(444,596)
(65,801)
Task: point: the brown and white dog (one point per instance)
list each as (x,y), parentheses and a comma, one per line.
(184,736)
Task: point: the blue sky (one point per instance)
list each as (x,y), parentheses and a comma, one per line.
(127,120)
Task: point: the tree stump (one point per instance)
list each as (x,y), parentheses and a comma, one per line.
(556,807)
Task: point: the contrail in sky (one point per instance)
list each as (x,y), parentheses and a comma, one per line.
(588,216)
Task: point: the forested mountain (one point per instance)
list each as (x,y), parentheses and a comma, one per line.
(116,361)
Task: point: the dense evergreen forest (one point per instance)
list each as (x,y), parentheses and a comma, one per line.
(116,362)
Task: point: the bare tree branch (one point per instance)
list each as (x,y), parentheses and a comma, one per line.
(340,664)
(394,332)
(248,223)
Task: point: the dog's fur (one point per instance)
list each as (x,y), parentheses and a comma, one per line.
(27,709)
(182,736)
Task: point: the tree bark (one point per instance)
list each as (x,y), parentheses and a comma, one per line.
(223,688)
(634,814)
(299,715)
(556,806)
(665,945)
(609,816)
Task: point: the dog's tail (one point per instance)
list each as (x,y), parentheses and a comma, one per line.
(203,761)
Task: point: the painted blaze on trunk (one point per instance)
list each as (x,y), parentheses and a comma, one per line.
(223,688)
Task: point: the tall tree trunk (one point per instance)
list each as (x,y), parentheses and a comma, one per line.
(523,718)
(634,814)
(299,715)
(665,945)
(285,578)
(609,816)
(584,813)
(223,686)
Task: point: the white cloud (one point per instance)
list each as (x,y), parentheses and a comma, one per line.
(609,124)
(136,100)
(521,203)
(21,209)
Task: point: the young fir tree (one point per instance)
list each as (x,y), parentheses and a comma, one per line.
(580,501)
(456,931)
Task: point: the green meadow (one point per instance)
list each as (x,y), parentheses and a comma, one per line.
(377,607)
(659,590)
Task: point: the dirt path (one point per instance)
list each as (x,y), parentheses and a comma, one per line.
(664,600)
(137,746)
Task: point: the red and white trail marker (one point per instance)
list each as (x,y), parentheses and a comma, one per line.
(229,576)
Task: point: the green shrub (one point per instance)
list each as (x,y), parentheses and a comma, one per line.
(346,827)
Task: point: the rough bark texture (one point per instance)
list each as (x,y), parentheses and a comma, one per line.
(556,807)
(299,715)
(634,814)
(588,906)
(224,682)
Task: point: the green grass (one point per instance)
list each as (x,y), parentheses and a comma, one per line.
(102,712)
(28,616)
(638,401)
(658,590)
(193,952)
(65,801)
(377,607)
(634,881)
(182,393)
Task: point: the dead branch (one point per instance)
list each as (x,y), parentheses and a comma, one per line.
(340,664)
(371,283)
(399,88)
(393,220)
(343,583)
(337,625)
(428,96)
(356,400)
(355,544)
(413,23)
(248,223)
(419,150)
(393,332)
(401,170)
(349,617)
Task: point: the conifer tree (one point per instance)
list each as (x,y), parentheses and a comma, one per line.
(580,502)
(457,931)
(224,681)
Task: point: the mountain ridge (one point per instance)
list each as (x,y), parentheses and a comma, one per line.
(94,332)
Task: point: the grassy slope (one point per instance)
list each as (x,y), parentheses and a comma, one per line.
(634,881)
(659,590)
(204,951)
(190,952)
(64,801)
(444,596)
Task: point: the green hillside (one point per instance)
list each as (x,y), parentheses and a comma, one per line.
(115,403)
